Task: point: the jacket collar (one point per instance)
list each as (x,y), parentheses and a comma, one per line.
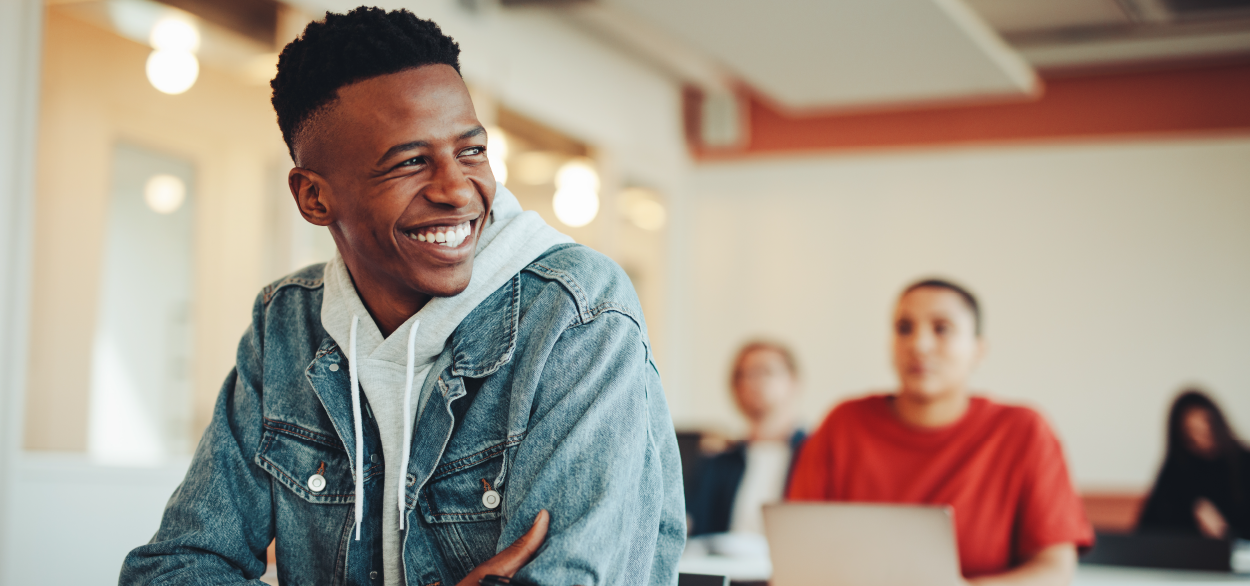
(485,341)
(487,337)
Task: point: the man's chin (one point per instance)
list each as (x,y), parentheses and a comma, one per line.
(922,394)
(447,287)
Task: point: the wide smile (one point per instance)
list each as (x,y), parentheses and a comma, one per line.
(449,236)
(448,242)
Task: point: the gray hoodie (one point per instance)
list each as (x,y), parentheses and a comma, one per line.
(388,368)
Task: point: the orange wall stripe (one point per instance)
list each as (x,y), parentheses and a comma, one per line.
(1213,98)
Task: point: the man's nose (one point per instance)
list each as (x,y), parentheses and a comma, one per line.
(923,340)
(450,186)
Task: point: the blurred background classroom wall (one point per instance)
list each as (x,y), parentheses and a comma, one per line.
(1111,274)
(1081,165)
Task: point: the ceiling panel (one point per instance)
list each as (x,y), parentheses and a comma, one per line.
(827,54)
(1015,16)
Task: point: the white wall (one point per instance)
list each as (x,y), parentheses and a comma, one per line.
(19,69)
(1111,274)
(60,537)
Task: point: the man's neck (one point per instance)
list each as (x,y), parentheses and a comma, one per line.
(388,303)
(917,410)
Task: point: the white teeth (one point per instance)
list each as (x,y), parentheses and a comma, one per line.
(448,236)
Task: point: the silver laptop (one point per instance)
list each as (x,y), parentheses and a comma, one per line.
(844,544)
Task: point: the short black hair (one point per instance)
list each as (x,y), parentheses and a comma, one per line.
(969,299)
(346,48)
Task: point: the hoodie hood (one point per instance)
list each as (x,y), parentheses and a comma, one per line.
(510,241)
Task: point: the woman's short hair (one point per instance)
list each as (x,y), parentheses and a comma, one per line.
(761,344)
(969,299)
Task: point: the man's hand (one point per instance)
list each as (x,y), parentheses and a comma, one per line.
(513,557)
(1210,522)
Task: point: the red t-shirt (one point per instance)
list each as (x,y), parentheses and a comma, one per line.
(1000,468)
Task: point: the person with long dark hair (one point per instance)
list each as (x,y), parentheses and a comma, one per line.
(1204,484)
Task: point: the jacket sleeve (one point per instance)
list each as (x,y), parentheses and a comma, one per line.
(600,455)
(219,521)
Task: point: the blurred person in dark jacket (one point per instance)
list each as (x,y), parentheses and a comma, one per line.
(1204,484)
(733,486)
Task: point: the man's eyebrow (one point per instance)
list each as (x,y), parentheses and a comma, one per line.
(399,148)
(416,144)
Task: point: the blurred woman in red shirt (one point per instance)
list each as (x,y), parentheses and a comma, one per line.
(1018,520)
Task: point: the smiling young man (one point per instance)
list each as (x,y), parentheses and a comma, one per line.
(406,412)
(1018,520)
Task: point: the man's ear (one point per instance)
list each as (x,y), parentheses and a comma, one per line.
(311,192)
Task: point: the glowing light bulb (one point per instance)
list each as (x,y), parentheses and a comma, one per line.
(172,72)
(172,68)
(497,153)
(164,194)
(576,201)
(174,34)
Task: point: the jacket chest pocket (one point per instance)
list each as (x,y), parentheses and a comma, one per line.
(471,488)
(312,465)
(463,506)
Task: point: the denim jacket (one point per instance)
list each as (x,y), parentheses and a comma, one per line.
(546,393)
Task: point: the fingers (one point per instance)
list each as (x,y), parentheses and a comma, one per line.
(513,557)
(528,544)
(516,555)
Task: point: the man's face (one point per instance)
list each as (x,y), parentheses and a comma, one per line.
(936,346)
(407,186)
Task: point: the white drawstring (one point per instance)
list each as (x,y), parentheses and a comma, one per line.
(360,439)
(403,463)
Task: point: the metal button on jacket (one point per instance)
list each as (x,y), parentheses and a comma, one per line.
(373,458)
(316,483)
(334,368)
(490,499)
(373,575)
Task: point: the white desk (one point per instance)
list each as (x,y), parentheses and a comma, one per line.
(752,569)
(1110,575)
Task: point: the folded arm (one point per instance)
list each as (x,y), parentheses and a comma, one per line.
(600,454)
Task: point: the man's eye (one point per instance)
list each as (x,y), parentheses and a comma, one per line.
(471,151)
(941,328)
(412,161)
(903,328)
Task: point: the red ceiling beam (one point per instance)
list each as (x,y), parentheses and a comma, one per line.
(1214,98)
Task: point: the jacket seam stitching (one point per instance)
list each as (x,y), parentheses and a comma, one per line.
(460,463)
(271,290)
(295,430)
(513,318)
(370,472)
(571,285)
(279,470)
